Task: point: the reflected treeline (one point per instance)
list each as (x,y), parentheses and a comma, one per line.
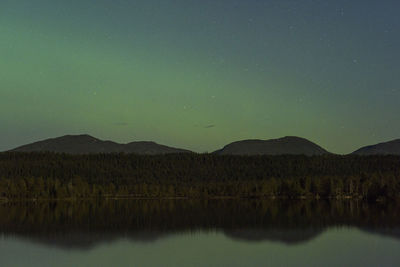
(84,224)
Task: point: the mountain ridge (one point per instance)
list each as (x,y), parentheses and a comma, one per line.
(87,144)
(288,145)
(384,148)
(291,145)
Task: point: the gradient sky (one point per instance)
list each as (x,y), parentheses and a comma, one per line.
(200,74)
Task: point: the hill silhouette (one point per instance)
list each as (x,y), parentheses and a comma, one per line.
(86,144)
(290,145)
(386,148)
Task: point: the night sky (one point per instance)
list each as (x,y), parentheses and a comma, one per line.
(200,74)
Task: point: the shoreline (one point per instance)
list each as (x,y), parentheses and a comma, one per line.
(344,198)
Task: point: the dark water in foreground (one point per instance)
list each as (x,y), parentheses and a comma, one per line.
(200,233)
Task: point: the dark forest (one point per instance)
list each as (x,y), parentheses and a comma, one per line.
(62,176)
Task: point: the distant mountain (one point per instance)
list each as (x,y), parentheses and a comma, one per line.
(387,148)
(287,145)
(86,144)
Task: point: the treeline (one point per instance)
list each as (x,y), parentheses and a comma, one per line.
(59,176)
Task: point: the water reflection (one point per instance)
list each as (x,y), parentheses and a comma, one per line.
(85,224)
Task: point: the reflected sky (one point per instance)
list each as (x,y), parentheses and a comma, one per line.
(335,247)
(199,233)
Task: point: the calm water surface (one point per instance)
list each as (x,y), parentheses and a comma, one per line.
(212,233)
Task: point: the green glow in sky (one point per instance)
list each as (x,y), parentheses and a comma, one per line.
(200,74)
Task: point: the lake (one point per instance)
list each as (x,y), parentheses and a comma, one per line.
(199,233)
